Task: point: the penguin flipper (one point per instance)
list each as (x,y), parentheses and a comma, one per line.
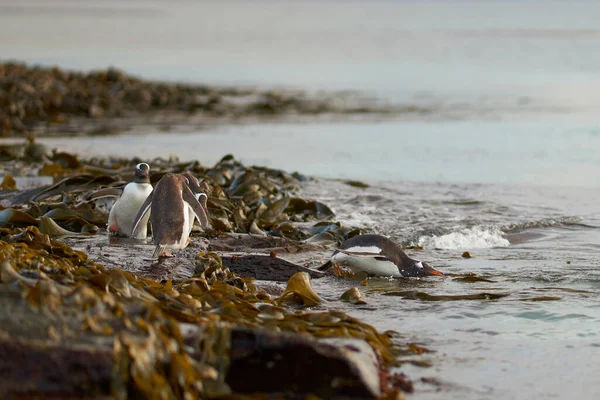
(198,205)
(144,209)
(325,266)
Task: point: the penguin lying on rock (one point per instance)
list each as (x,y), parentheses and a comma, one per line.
(125,209)
(377,255)
(172,206)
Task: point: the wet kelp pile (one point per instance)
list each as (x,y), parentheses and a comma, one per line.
(80,329)
(56,101)
(207,336)
(255,200)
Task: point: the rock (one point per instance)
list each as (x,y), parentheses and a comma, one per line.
(43,370)
(34,152)
(245,242)
(95,111)
(37,362)
(353,296)
(45,352)
(292,364)
(265,267)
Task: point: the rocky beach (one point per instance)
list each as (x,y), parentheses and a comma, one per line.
(88,315)
(467,132)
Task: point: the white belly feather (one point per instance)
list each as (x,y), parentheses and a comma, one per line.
(126,208)
(364,249)
(188,223)
(370,265)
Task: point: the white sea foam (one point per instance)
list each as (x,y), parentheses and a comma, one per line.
(358,220)
(472,238)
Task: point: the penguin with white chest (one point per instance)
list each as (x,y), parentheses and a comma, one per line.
(123,212)
(169,206)
(377,255)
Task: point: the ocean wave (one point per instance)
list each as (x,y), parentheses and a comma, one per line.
(469,238)
(358,220)
(483,237)
(545,223)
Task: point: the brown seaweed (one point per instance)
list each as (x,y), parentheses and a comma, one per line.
(353,296)
(414,295)
(298,287)
(151,353)
(8,183)
(255,200)
(470,278)
(12,217)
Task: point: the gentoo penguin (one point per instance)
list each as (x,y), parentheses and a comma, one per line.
(125,209)
(194,186)
(168,205)
(377,255)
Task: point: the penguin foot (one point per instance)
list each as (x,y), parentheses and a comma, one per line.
(166,254)
(337,270)
(113,229)
(325,266)
(187,242)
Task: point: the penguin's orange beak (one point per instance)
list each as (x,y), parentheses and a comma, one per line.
(430,271)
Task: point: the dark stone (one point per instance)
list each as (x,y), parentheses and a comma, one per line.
(31,370)
(34,366)
(246,242)
(295,366)
(265,267)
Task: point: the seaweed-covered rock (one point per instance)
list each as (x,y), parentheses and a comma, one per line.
(77,326)
(241,199)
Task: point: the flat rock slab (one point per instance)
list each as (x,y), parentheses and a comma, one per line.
(135,256)
(239,242)
(265,267)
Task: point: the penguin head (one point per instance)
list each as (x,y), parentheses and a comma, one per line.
(141,173)
(418,268)
(192,182)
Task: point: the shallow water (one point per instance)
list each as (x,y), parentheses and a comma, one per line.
(512,177)
(537,342)
(549,149)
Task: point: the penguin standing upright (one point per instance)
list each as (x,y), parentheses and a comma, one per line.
(125,209)
(169,205)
